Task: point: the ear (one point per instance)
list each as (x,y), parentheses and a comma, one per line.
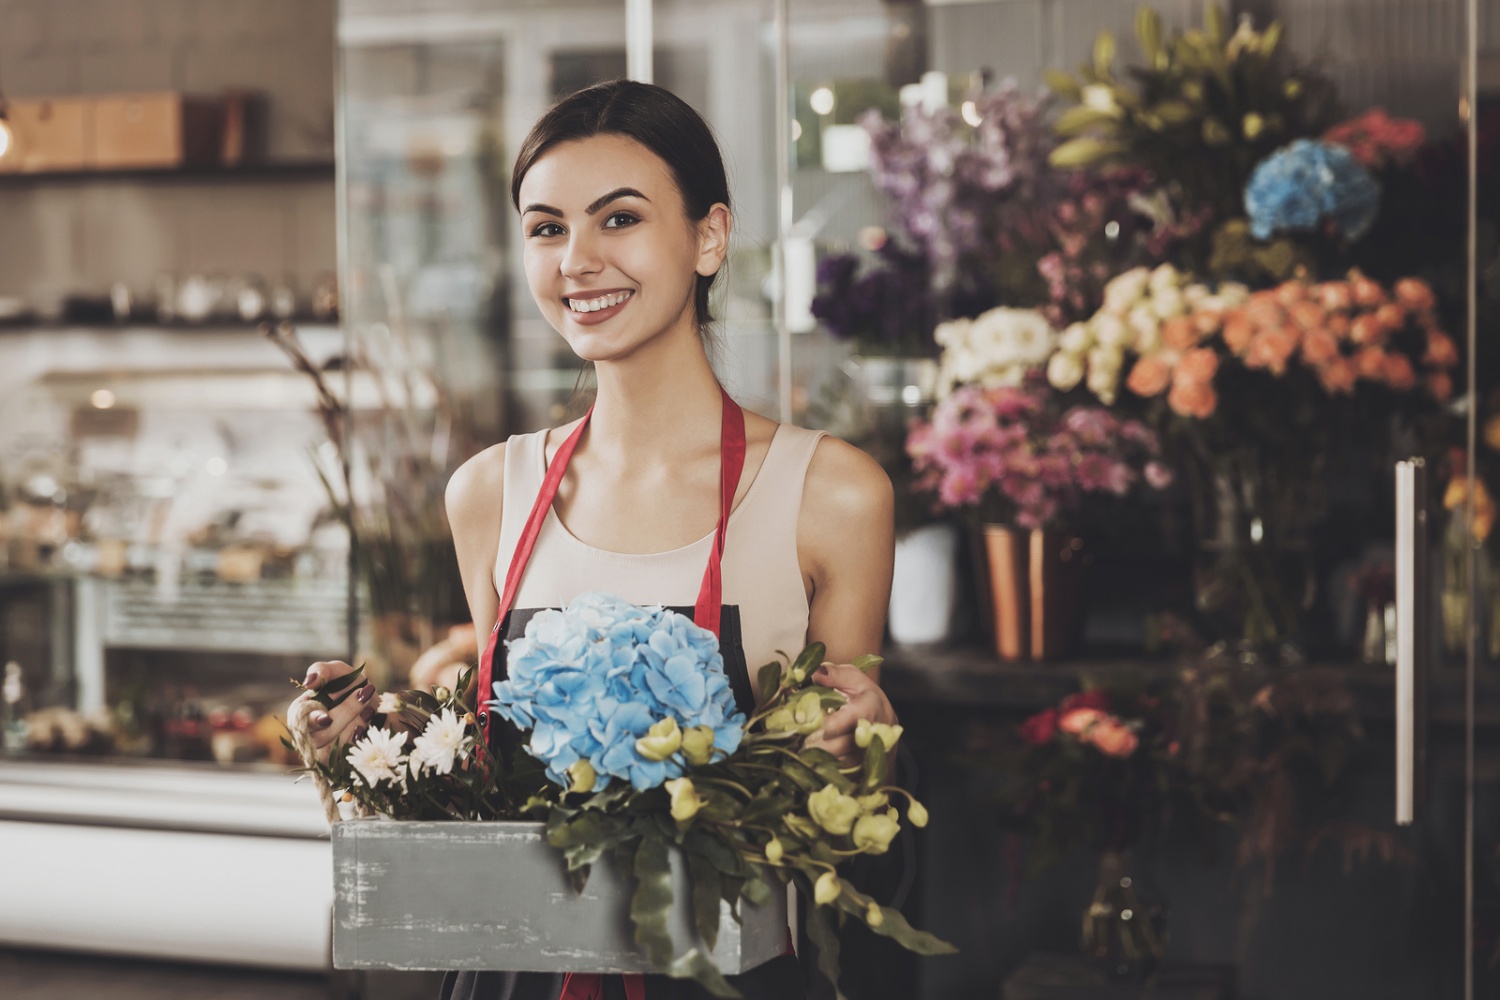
(713,239)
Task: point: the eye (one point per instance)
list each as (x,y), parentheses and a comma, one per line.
(546,229)
(620,220)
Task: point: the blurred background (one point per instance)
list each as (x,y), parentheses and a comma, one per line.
(261,292)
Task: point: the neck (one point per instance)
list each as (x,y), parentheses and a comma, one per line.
(660,401)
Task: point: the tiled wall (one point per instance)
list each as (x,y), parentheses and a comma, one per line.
(57,238)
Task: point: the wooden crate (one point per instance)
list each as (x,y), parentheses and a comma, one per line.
(49,134)
(496,896)
(165,129)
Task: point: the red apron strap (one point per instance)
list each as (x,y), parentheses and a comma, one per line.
(710,595)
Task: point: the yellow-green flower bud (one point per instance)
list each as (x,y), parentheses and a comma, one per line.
(698,745)
(873,833)
(874,801)
(780,721)
(774,851)
(865,730)
(441,693)
(833,810)
(661,740)
(827,888)
(1292,89)
(581,776)
(685,800)
(873,916)
(808,713)
(916,814)
(799,675)
(1253,125)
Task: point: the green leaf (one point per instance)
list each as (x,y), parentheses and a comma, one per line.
(831,698)
(324,695)
(705,898)
(1080,118)
(652,900)
(820,932)
(768,802)
(1148,33)
(712,850)
(697,966)
(868,662)
(1085,151)
(1104,53)
(810,658)
(1269,39)
(769,679)
(894,926)
(1215,24)
(1063,84)
(873,772)
(756,891)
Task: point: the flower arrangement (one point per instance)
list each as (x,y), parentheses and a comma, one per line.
(884,306)
(999,347)
(636,749)
(1309,185)
(1377,140)
(1000,452)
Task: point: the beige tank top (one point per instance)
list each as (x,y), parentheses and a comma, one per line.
(762,574)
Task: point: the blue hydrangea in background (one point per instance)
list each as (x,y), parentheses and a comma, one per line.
(1300,186)
(591,679)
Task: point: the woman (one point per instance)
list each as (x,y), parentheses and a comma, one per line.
(625,217)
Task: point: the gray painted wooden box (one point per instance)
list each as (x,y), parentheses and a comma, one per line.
(496,896)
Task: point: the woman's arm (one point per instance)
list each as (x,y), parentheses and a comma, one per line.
(846,541)
(473,501)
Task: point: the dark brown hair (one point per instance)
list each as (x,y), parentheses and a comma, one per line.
(657,119)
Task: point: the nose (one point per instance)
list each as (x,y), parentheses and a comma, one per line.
(581,258)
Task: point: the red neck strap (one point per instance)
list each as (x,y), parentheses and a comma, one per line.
(710,595)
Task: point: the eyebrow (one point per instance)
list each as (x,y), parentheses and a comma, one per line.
(615,195)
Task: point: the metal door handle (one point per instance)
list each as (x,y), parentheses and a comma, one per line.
(1411,632)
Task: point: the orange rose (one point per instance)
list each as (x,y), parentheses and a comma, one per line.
(1441,351)
(1112,738)
(1179,333)
(1369,363)
(1290,293)
(1238,332)
(1399,372)
(1079,720)
(1270,350)
(1391,316)
(1337,376)
(1366,329)
(1149,376)
(1440,385)
(1308,315)
(1366,292)
(1319,346)
(1208,321)
(1264,310)
(1415,294)
(1197,365)
(1336,296)
(1193,399)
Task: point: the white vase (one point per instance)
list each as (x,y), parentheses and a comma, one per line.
(925,585)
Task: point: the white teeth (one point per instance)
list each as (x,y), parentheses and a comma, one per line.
(594,305)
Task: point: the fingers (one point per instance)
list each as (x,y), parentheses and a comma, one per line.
(327,725)
(843,677)
(845,720)
(323,671)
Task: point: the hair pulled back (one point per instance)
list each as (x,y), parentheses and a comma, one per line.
(657,119)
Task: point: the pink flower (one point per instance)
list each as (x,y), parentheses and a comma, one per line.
(1158,476)
(1078,721)
(1112,738)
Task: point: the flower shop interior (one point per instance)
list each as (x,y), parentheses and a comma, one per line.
(1171,324)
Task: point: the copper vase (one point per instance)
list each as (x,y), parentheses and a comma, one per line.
(1035,579)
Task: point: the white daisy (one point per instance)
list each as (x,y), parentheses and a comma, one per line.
(443,741)
(378,756)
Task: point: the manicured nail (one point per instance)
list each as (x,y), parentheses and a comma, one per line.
(359,733)
(311,678)
(322,720)
(369,712)
(365,693)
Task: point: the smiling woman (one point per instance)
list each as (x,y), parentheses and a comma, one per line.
(666,493)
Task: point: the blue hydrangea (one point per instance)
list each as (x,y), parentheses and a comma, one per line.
(1307,182)
(591,679)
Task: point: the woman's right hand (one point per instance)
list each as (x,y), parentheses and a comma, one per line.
(345,722)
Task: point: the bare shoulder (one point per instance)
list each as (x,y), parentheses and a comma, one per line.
(475,488)
(845,482)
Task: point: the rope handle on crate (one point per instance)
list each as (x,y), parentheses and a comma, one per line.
(297,718)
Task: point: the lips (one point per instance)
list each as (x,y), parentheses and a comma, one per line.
(599,307)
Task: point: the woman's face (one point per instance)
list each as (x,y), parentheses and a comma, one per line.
(611,256)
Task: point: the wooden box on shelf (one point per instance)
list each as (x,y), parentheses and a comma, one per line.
(166,129)
(50,134)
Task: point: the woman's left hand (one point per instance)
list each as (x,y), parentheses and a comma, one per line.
(866,701)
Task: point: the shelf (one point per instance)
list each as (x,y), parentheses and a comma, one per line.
(300,170)
(973,679)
